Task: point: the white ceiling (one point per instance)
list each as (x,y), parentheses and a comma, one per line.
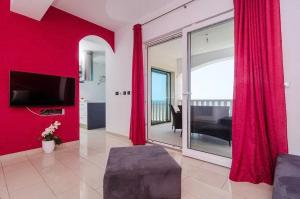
(171,49)
(212,38)
(203,41)
(165,55)
(34,9)
(111,14)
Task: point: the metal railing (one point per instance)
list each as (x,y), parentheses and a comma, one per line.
(211,102)
(160,112)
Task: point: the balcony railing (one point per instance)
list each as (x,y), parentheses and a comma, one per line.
(211,102)
(160,112)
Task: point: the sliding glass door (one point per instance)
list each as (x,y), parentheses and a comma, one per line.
(190,90)
(208,86)
(164,92)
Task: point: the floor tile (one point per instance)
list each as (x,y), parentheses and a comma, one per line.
(90,174)
(41,161)
(2,179)
(202,190)
(3,187)
(18,166)
(99,159)
(13,159)
(59,178)
(37,191)
(186,195)
(21,175)
(4,193)
(248,190)
(210,178)
(216,169)
(81,192)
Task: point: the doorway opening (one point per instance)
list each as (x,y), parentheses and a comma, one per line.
(93,53)
(164,92)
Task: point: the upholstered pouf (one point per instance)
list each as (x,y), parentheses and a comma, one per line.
(141,172)
(287,177)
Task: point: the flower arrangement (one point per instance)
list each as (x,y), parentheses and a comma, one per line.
(48,134)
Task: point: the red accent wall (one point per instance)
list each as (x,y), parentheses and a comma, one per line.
(47,47)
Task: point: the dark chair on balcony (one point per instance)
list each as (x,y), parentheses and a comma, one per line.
(176,119)
(180,108)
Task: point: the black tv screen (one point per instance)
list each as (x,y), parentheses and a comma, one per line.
(30,89)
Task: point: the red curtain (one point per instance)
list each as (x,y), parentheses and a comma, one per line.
(137,121)
(259,112)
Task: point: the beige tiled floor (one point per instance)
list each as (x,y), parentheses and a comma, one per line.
(75,170)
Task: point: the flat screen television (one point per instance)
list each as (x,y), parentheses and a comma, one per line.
(30,89)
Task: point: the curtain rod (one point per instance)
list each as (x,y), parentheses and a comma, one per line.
(178,7)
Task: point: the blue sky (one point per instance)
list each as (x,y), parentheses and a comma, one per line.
(159,86)
(214,81)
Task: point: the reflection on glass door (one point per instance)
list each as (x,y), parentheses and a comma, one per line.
(164,92)
(210,76)
(211,85)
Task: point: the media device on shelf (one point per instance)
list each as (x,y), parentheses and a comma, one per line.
(31,89)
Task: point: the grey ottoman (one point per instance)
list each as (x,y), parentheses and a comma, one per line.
(287,177)
(141,172)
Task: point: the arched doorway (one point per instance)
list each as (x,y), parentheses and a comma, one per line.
(94,53)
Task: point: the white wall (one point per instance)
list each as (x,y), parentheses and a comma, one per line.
(290,15)
(118,72)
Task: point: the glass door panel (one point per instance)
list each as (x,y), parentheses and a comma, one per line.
(164,93)
(209,91)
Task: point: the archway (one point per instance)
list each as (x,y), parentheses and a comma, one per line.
(94,55)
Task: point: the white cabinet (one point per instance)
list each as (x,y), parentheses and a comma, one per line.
(83,112)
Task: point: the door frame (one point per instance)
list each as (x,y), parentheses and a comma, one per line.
(147,74)
(168,91)
(215,159)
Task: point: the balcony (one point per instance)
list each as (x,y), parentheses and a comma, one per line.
(160,110)
(212,102)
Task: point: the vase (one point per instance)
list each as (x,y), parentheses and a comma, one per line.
(48,146)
